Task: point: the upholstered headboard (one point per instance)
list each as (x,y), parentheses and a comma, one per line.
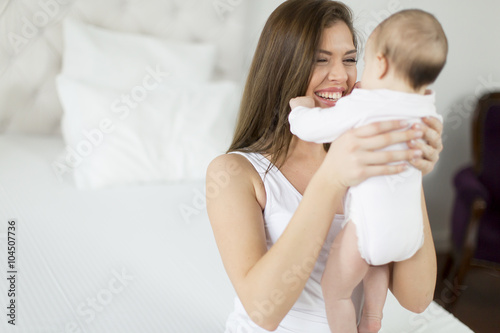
(31,45)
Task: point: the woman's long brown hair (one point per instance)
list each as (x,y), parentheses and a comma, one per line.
(281,69)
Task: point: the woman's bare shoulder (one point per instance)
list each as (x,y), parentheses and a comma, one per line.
(234,172)
(230,164)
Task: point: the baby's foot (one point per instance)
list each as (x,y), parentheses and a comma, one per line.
(370,324)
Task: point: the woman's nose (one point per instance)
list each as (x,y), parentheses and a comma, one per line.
(337,72)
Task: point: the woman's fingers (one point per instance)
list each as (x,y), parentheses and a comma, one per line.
(432,133)
(379,128)
(423,165)
(390,156)
(431,145)
(429,153)
(384,170)
(360,150)
(434,123)
(390,138)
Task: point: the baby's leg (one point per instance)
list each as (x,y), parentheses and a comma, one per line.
(343,272)
(375,284)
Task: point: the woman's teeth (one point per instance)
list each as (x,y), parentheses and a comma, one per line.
(332,96)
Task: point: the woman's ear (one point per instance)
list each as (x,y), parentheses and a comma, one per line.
(382,66)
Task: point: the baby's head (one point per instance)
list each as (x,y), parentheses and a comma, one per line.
(405,52)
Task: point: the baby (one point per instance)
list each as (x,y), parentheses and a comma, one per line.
(383,221)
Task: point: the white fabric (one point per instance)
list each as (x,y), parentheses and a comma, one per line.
(139,109)
(73,243)
(385,209)
(170,134)
(32,46)
(308,312)
(120,60)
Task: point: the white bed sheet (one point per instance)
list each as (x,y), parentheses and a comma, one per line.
(124,259)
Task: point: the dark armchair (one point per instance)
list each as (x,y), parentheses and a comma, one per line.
(475,224)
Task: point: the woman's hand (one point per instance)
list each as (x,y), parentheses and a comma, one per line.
(353,157)
(432,146)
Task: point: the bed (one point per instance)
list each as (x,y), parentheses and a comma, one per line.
(111,232)
(132,259)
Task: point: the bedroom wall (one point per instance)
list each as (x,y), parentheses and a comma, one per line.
(472,69)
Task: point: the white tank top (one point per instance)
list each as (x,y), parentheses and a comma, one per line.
(308,313)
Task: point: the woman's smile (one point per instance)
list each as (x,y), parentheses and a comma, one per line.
(329,96)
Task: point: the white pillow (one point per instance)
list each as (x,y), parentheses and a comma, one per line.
(120,60)
(170,135)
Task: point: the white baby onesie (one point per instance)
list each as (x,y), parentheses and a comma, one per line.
(385,209)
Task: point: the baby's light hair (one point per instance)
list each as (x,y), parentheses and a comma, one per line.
(414,43)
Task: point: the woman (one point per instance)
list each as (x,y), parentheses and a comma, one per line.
(276,212)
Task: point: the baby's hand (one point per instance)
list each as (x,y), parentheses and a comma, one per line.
(306,101)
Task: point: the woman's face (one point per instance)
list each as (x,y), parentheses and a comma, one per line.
(334,72)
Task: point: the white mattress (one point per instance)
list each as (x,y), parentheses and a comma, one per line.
(72,245)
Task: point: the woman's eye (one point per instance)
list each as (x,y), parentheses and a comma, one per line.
(321,60)
(351,60)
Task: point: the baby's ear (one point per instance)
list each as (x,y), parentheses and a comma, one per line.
(382,65)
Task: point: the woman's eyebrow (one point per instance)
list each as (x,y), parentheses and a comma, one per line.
(330,53)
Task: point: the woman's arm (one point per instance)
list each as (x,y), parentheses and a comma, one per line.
(413,280)
(269,282)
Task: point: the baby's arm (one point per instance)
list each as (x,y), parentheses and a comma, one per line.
(317,124)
